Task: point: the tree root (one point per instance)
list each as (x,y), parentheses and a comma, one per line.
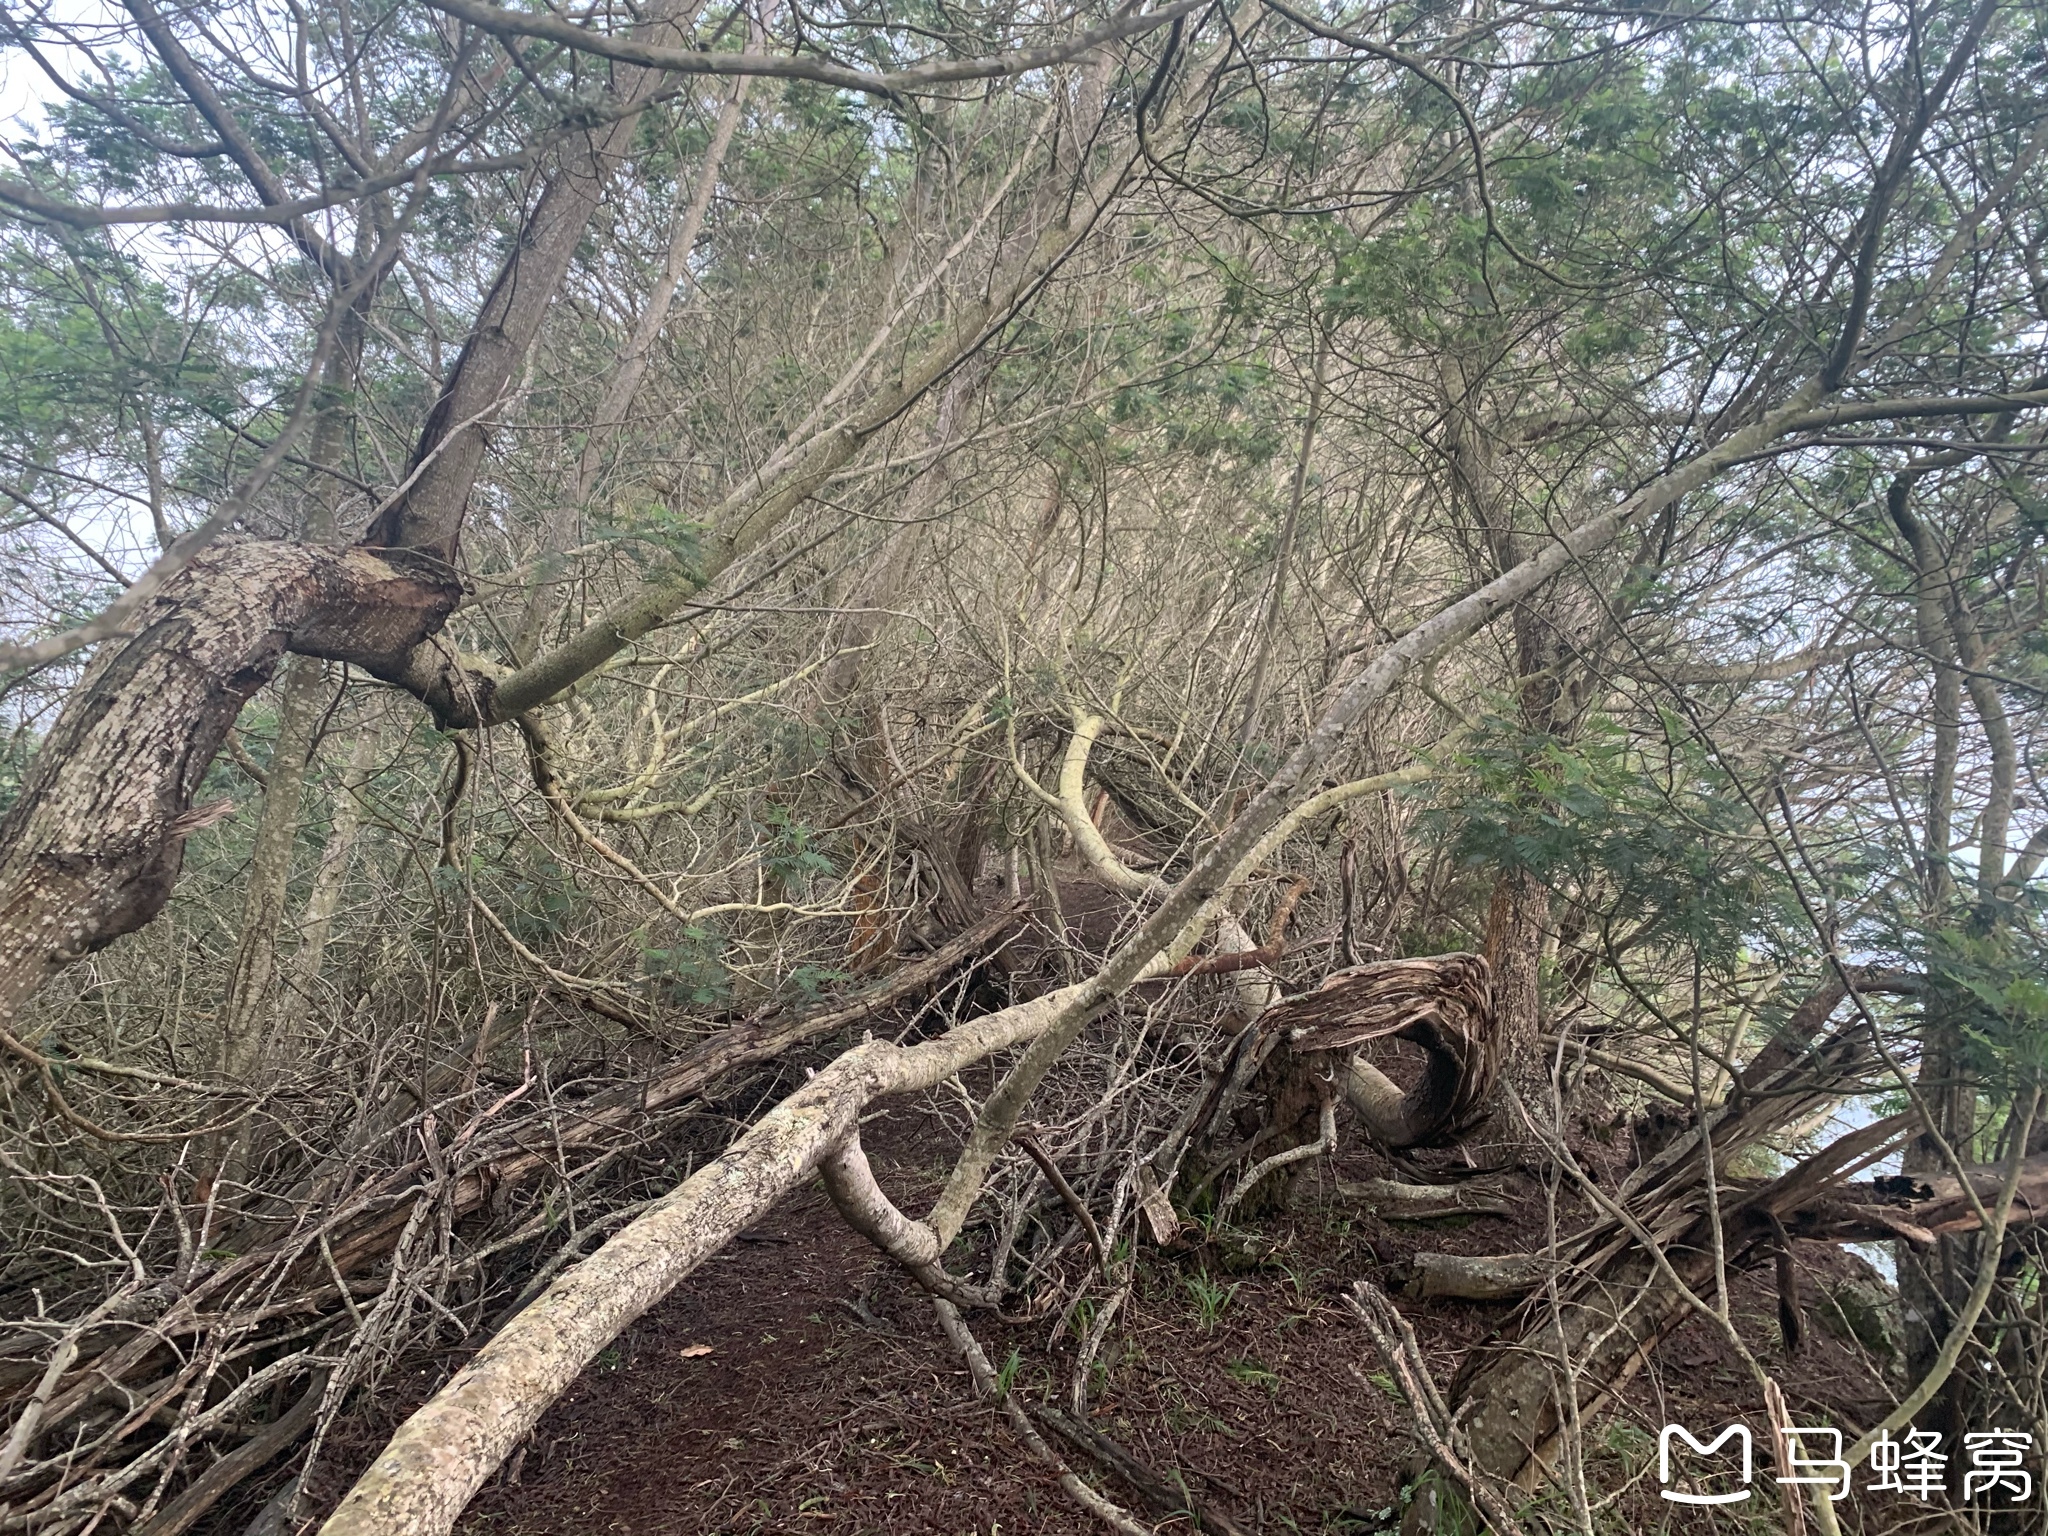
(1435,1427)
(1459,1277)
(1395,1201)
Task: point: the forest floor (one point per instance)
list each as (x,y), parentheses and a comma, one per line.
(799,1383)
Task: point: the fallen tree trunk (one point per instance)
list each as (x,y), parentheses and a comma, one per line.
(1394,1201)
(281,1287)
(519,1154)
(1878,1211)
(441,1455)
(1470,1277)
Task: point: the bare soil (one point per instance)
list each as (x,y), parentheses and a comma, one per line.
(829,1401)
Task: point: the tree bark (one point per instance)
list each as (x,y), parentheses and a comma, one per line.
(93,846)
(330,876)
(251,979)
(1517,926)
(427,514)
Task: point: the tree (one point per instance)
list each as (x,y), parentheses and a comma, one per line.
(772,493)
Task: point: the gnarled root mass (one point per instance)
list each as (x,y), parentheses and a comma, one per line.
(1443,1003)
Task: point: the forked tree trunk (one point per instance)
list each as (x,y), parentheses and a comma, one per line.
(92,848)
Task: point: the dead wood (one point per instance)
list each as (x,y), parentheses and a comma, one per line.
(1878,1210)
(1467,1277)
(1435,1425)
(990,1389)
(1394,1201)
(277,1286)
(1443,1003)
(1027,1138)
(1168,1497)
(246,1459)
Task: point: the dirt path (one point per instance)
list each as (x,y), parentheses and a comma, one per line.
(803,1417)
(829,1402)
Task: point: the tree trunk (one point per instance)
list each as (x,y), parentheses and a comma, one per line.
(1517,927)
(428,513)
(330,876)
(93,846)
(1932,1285)
(252,977)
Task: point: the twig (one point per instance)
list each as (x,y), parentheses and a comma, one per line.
(990,1390)
(1028,1140)
(1168,1496)
(1397,1345)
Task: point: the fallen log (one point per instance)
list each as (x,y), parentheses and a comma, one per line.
(1879,1210)
(440,1456)
(1468,1277)
(517,1154)
(1395,1201)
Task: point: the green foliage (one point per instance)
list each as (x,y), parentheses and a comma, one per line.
(1986,989)
(1006,1378)
(789,856)
(808,981)
(1253,1373)
(1651,835)
(1211,1298)
(690,972)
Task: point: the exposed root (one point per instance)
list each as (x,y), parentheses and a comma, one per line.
(1434,1425)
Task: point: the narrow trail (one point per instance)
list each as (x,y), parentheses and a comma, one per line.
(828,1401)
(804,1415)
